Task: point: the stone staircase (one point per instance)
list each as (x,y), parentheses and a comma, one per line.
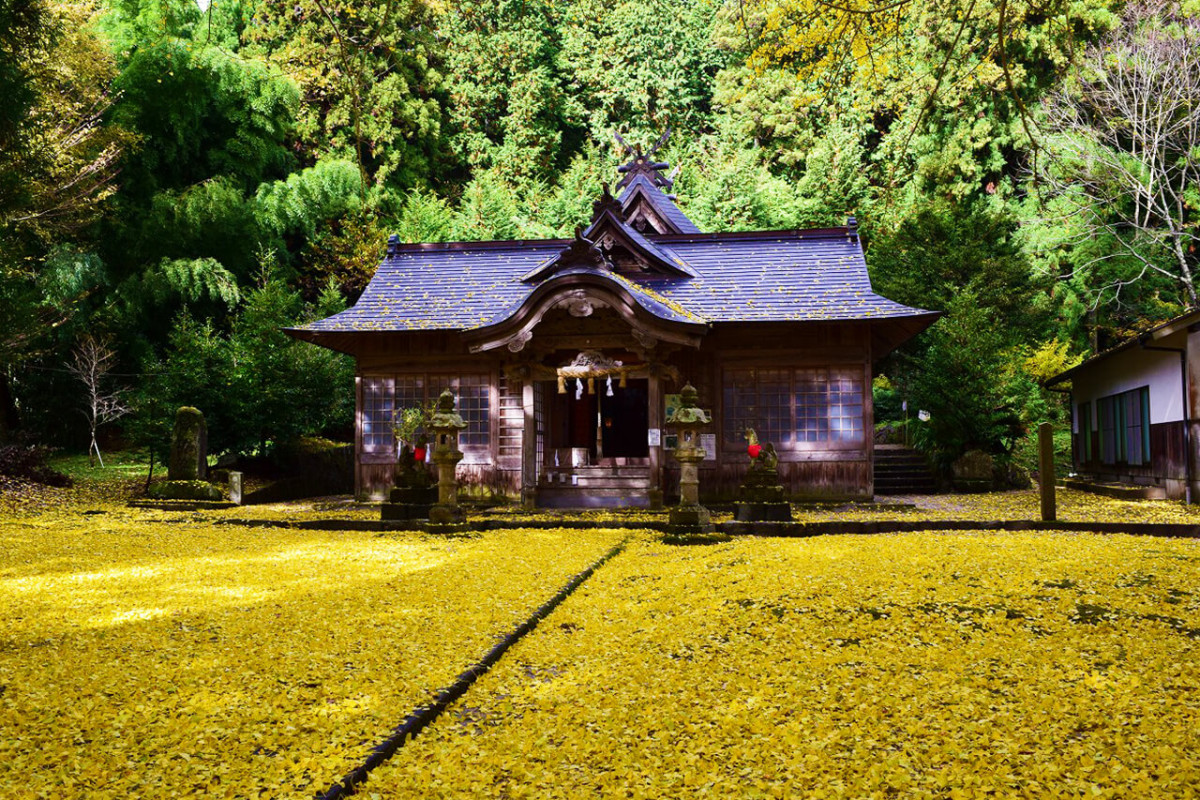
(901,470)
(594,487)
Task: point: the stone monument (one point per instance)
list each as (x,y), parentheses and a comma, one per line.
(187,466)
(690,522)
(761,496)
(189,446)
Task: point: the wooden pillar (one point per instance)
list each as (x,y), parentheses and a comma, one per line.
(868,414)
(1046,471)
(359,491)
(1191,415)
(655,417)
(528,446)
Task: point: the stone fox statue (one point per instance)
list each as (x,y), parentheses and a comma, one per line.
(762,456)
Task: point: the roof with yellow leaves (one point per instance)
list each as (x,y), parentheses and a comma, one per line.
(773,276)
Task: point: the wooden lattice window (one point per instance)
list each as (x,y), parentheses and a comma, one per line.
(845,405)
(378,403)
(410,392)
(473,400)
(383,396)
(794,407)
(759,399)
(812,410)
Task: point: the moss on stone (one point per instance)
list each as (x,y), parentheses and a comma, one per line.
(185,490)
(188,445)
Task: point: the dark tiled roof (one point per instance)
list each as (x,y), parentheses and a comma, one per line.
(741,277)
(664,205)
(660,257)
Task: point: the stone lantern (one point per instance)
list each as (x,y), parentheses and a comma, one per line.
(446,423)
(689,521)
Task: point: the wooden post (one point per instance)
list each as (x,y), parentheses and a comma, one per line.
(1046,470)
(1191,415)
(655,419)
(528,447)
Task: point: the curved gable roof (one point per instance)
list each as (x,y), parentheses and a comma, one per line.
(777,276)
(692,278)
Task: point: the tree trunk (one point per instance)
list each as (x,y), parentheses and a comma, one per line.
(1185,270)
(8,408)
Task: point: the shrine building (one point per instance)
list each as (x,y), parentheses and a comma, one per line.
(564,354)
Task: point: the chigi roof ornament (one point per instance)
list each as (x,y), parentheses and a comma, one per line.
(644,164)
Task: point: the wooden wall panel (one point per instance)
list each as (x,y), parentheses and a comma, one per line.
(813,472)
(510,423)
(374,480)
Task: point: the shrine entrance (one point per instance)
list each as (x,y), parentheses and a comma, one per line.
(610,424)
(593,445)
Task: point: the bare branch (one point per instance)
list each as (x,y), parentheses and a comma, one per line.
(1124,141)
(92,360)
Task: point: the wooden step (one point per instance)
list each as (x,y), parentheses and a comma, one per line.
(591,497)
(623,470)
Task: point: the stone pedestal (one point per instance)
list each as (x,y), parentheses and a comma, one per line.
(763,512)
(409,503)
(412,494)
(761,497)
(690,519)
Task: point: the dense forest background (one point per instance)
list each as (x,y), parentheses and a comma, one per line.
(177,182)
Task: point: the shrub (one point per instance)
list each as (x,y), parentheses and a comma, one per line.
(27,462)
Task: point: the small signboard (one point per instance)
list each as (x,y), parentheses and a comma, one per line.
(709,442)
(655,437)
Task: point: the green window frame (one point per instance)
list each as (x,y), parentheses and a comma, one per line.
(1137,426)
(1085,432)
(1125,427)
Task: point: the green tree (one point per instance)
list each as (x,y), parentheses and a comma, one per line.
(370,77)
(506,98)
(640,67)
(201,113)
(949,248)
(256,385)
(1124,150)
(956,375)
(57,162)
(966,370)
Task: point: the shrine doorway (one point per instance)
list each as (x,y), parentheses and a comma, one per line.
(610,424)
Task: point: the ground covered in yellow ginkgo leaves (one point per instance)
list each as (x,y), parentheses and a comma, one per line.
(146,658)
(148,653)
(920,665)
